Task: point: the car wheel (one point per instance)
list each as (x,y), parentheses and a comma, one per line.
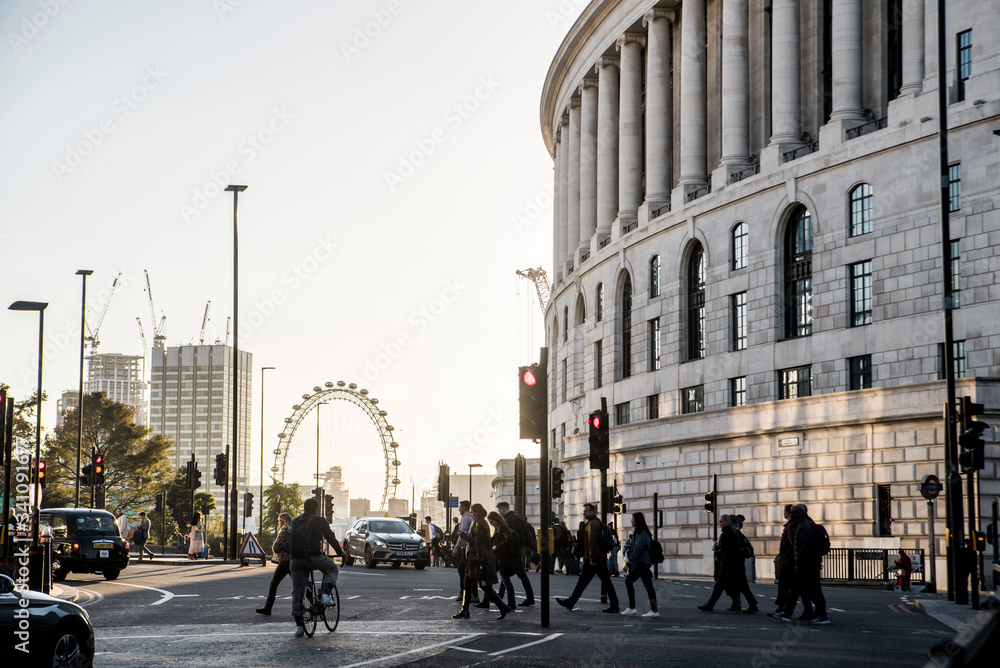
(369,559)
(69,650)
(348,559)
(397,564)
(112,574)
(419,565)
(59,573)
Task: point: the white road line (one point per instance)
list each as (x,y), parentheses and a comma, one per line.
(468,649)
(835,609)
(277,633)
(167,595)
(537,642)
(414,651)
(92,597)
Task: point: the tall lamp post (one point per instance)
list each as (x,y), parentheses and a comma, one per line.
(472,466)
(322,403)
(261,499)
(40,307)
(236,190)
(79,408)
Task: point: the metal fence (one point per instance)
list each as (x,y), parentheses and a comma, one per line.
(865,566)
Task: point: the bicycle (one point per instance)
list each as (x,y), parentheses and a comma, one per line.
(313,609)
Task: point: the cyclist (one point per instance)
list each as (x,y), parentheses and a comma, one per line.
(308,532)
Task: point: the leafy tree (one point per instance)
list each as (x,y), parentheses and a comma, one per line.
(24,424)
(280,498)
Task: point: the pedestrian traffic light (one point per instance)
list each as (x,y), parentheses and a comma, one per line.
(328,508)
(221,470)
(87,475)
(532,384)
(318,495)
(710,505)
(980,541)
(195,476)
(443,487)
(600,449)
(973,455)
(158,507)
(558,478)
(99,470)
(41,473)
(247,504)
(619,503)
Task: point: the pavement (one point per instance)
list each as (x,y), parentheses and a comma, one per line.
(954,616)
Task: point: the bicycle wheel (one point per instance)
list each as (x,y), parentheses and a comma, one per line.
(310,606)
(331,613)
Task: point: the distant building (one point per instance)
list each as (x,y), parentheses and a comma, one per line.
(503,490)
(120,378)
(361,507)
(69,400)
(333,484)
(398,507)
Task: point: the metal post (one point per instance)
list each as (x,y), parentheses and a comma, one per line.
(656,529)
(84,273)
(261,527)
(225,517)
(6,434)
(236,190)
(715,507)
(931,587)
(973,557)
(38,437)
(996,542)
(545,505)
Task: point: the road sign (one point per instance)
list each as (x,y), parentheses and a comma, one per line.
(453,502)
(251,548)
(930,487)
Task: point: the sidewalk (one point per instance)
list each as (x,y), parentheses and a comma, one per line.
(951,615)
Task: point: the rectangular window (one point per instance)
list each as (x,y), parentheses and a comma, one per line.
(955,251)
(563,381)
(954,187)
(964,61)
(653,406)
(861,293)
(693,399)
(738,320)
(795,383)
(958,356)
(621,413)
(885,510)
(654,344)
(598,363)
(859,372)
(738,391)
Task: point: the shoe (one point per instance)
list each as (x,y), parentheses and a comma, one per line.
(780,616)
(326,599)
(705,608)
(484,605)
(821,620)
(528,601)
(300,631)
(264,611)
(504,611)
(564,603)
(652,613)
(734,608)
(629,611)
(461,614)
(749,611)
(806,617)
(475,599)
(611,611)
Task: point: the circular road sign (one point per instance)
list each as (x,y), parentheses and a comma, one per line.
(930,487)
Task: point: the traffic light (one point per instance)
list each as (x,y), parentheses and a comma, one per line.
(521,477)
(619,503)
(99,470)
(973,454)
(247,504)
(558,478)
(980,541)
(443,487)
(158,507)
(328,508)
(318,495)
(600,449)
(195,477)
(41,473)
(221,470)
(532,383)
(710,502)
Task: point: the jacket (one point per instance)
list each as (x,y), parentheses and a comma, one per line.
(282,545)
(478,541)
(463,527)
(307,534)
(732,555)
(803,546)
(507,549)
(640,545)
(786,555)
(592,550)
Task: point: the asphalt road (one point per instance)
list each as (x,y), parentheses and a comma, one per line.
(203,615)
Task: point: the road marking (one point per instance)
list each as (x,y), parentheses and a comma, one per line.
(836,609)
(536,642)
(286,631)
(92,596)
(470,636)
(469,649)
(428,590)
(167,595)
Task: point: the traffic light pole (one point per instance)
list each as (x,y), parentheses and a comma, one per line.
(545,507)
(225,516)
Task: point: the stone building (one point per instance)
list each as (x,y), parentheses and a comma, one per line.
(748,258)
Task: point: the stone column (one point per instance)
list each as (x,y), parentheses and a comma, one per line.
(564,190)
(630,127)
(607,144)
(588,162)
(913,47)
(785,72)
(573,196)
(558,225)
(693,103)
(846,32)
(735,83)
(659,106)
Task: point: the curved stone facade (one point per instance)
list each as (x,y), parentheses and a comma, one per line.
(747,266)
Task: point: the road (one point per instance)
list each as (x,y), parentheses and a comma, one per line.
(202,614)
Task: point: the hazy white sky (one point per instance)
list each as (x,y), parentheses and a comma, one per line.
(397,178)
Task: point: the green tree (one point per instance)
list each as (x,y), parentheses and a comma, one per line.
(23,431)
(280,498)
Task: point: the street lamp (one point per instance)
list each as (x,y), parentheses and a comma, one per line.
(472,466)
(236,190)
(322,403)
(261,498)
(79,408)
(40,307)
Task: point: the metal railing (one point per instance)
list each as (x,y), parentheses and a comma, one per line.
(656,213)
(605,242)
(585,256)
(801,151)
(628,227)
(699,192)
(866,566)
(872,126)
(753,168)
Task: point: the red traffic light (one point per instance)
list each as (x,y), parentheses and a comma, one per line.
(99,464)
(595,421)
(41,465)
(529,378)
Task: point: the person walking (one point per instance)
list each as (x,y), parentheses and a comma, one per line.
(434,540)
(640,564)
(461,546)
(616,547)
(595,562)
(731,569)
(481,565)
(121,520)
(518,527)
(507,553)
(784,566)
(281,552)
(739,583)
(904,567)
(306,544)
(808,562)
(141,535)
(196,538)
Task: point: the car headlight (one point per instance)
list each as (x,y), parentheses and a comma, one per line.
(380,543)
(423,543)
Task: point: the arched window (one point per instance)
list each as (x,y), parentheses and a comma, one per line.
(626,328)
(599,302)
(566,323)
(741,243)
(696,303)
(798,274)
(861,209)
(654,277)
(581,310)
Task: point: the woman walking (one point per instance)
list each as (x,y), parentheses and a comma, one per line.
(481,565)
(197,538)
(282,553)
(640,563)
(507,553)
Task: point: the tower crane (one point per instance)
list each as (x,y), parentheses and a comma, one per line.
(92,333)
(142,335)
(204,321)
(541,281)
(158,336)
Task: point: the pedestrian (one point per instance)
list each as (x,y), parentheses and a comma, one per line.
(739,582)
(808,562)
(121,520)
(481,565)
(616,547)
(640,564)
(559,537)
(595,560)
(519,527)
(784,566)
(434,539)
(461,545)
(628,547)
(141,535)
(306,545)
(904,567)
(196,538)
(506,549)
(731,569)
(281,553)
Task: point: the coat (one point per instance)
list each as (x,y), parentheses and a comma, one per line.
(197,537)
(507,551)
(640,545)
(479,542)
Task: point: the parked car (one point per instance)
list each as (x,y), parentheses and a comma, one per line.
(57,632)
(85,541)
(385,539)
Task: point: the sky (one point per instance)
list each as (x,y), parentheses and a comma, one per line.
(396,179)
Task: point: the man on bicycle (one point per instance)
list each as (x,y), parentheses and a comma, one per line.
(308,532)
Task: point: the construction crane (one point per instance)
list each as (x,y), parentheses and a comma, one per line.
(541,281)
(158,336)
(228,322)
(92,333)
(142,335)
(204,321)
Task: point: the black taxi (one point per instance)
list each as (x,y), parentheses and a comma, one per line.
(84,540)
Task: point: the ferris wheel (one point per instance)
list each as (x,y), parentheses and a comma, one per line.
(352,433)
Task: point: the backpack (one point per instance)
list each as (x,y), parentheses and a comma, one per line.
(655,552)
(522,532)
(821,539)
(607,538)
(745,546)
(302,540)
